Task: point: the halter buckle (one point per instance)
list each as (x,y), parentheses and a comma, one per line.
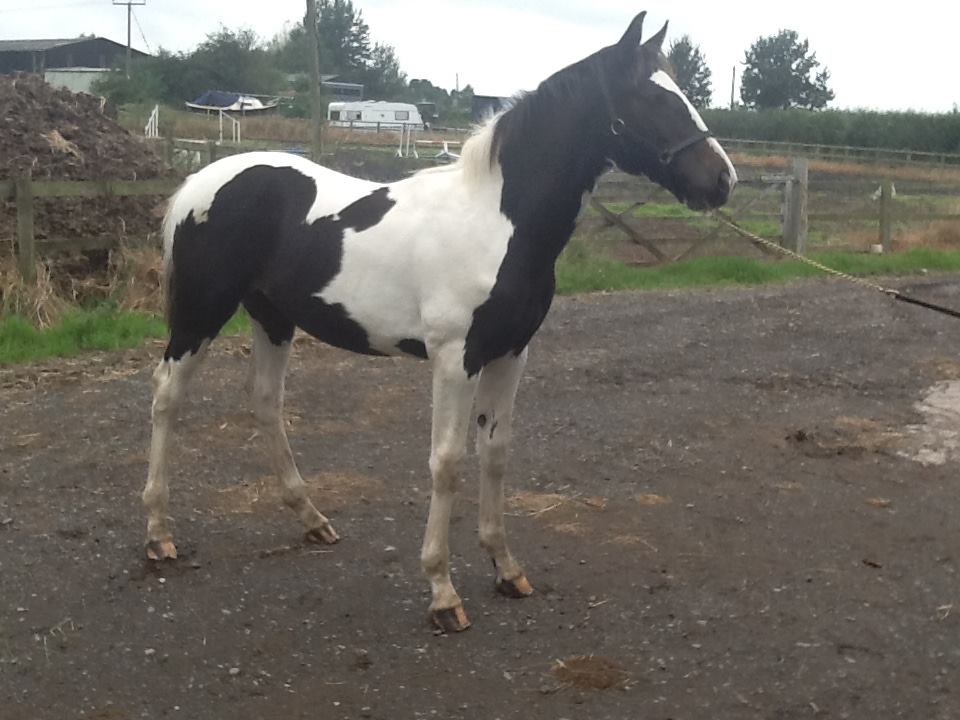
(617,126)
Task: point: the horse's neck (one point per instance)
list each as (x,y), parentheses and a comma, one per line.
(545,178)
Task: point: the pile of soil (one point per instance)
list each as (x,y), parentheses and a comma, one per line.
(55,134)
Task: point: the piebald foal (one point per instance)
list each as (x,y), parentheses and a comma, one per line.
(454,264)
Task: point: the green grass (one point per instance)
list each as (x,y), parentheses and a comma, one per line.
(81,330)
(581,271)
(103,328)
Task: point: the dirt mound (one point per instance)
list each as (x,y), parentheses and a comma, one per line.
(55,134)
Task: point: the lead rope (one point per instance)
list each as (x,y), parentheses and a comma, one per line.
(725,219)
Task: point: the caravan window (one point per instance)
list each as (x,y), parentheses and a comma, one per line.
(353,115)
(401,115)
(334,114)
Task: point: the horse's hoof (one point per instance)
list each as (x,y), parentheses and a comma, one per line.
(519,587)
(324,535)
(158,550)
(450,620)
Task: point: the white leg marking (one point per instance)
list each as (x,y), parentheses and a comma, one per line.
(170,381)
(269,370)
(495,397)
(453,396)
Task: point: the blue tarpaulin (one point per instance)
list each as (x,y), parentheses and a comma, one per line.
(216,98)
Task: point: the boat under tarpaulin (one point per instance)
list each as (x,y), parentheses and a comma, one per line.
(217,100)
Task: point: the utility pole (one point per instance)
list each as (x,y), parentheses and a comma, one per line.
(129,4)
(733,83)
(316,112)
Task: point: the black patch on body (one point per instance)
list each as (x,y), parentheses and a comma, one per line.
(552,147)
(255,248)
(413,347)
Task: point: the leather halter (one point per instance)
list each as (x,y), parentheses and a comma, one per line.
(619,129)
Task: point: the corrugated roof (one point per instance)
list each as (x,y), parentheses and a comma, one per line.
(37,45)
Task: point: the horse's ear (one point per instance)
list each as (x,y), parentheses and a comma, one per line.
(655,43)
(631,38)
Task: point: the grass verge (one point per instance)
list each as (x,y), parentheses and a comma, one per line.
(104,328)
(581,271)
(77,331)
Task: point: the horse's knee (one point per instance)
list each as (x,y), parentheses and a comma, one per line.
(444,467)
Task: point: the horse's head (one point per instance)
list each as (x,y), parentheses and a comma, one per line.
(654,129)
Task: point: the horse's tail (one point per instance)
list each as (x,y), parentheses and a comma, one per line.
(168,229)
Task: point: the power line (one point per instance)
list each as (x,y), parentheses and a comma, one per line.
(129,4)
(144,37)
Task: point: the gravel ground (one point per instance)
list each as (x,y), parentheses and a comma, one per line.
(731,503)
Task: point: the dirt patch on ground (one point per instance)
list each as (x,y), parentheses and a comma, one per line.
(716,495)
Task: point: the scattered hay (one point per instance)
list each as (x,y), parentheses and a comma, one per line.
(40,302)
(533,503)
(60,144)
(328,490)
(589,672)
(653,499)
(135,278)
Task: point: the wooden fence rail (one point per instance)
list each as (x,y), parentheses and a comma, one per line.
(23,191)
(842,153)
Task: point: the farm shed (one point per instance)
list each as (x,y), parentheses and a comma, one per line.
(36,56)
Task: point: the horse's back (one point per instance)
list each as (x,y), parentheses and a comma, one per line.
(231,183)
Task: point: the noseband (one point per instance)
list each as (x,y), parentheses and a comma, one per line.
(619,128)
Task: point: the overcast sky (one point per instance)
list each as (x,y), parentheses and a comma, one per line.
(878,59)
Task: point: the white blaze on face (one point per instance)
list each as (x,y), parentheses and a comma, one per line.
(666,82)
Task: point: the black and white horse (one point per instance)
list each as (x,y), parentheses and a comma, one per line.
(454,264)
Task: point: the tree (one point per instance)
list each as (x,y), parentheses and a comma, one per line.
(691,71)
(382,77)
(344,38)
(781,72)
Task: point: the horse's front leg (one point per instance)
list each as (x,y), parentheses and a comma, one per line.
(495,396)
(453,395)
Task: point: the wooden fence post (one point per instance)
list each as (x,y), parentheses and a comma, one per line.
(795,223)
(26,252)
(886,202)
(211,152)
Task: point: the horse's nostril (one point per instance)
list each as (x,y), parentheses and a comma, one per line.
(724,182)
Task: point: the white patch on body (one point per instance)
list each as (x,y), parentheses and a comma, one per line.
(664,80)
(425,267)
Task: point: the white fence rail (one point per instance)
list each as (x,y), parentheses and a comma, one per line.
(152,128)
(233,127)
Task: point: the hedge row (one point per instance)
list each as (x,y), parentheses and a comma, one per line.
(893,130)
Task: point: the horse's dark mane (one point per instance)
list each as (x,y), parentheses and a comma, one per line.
(549,105)
(584,85)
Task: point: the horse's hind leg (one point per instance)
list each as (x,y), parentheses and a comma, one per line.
(495,397)
(272,335)
(169,387)
(199,310)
